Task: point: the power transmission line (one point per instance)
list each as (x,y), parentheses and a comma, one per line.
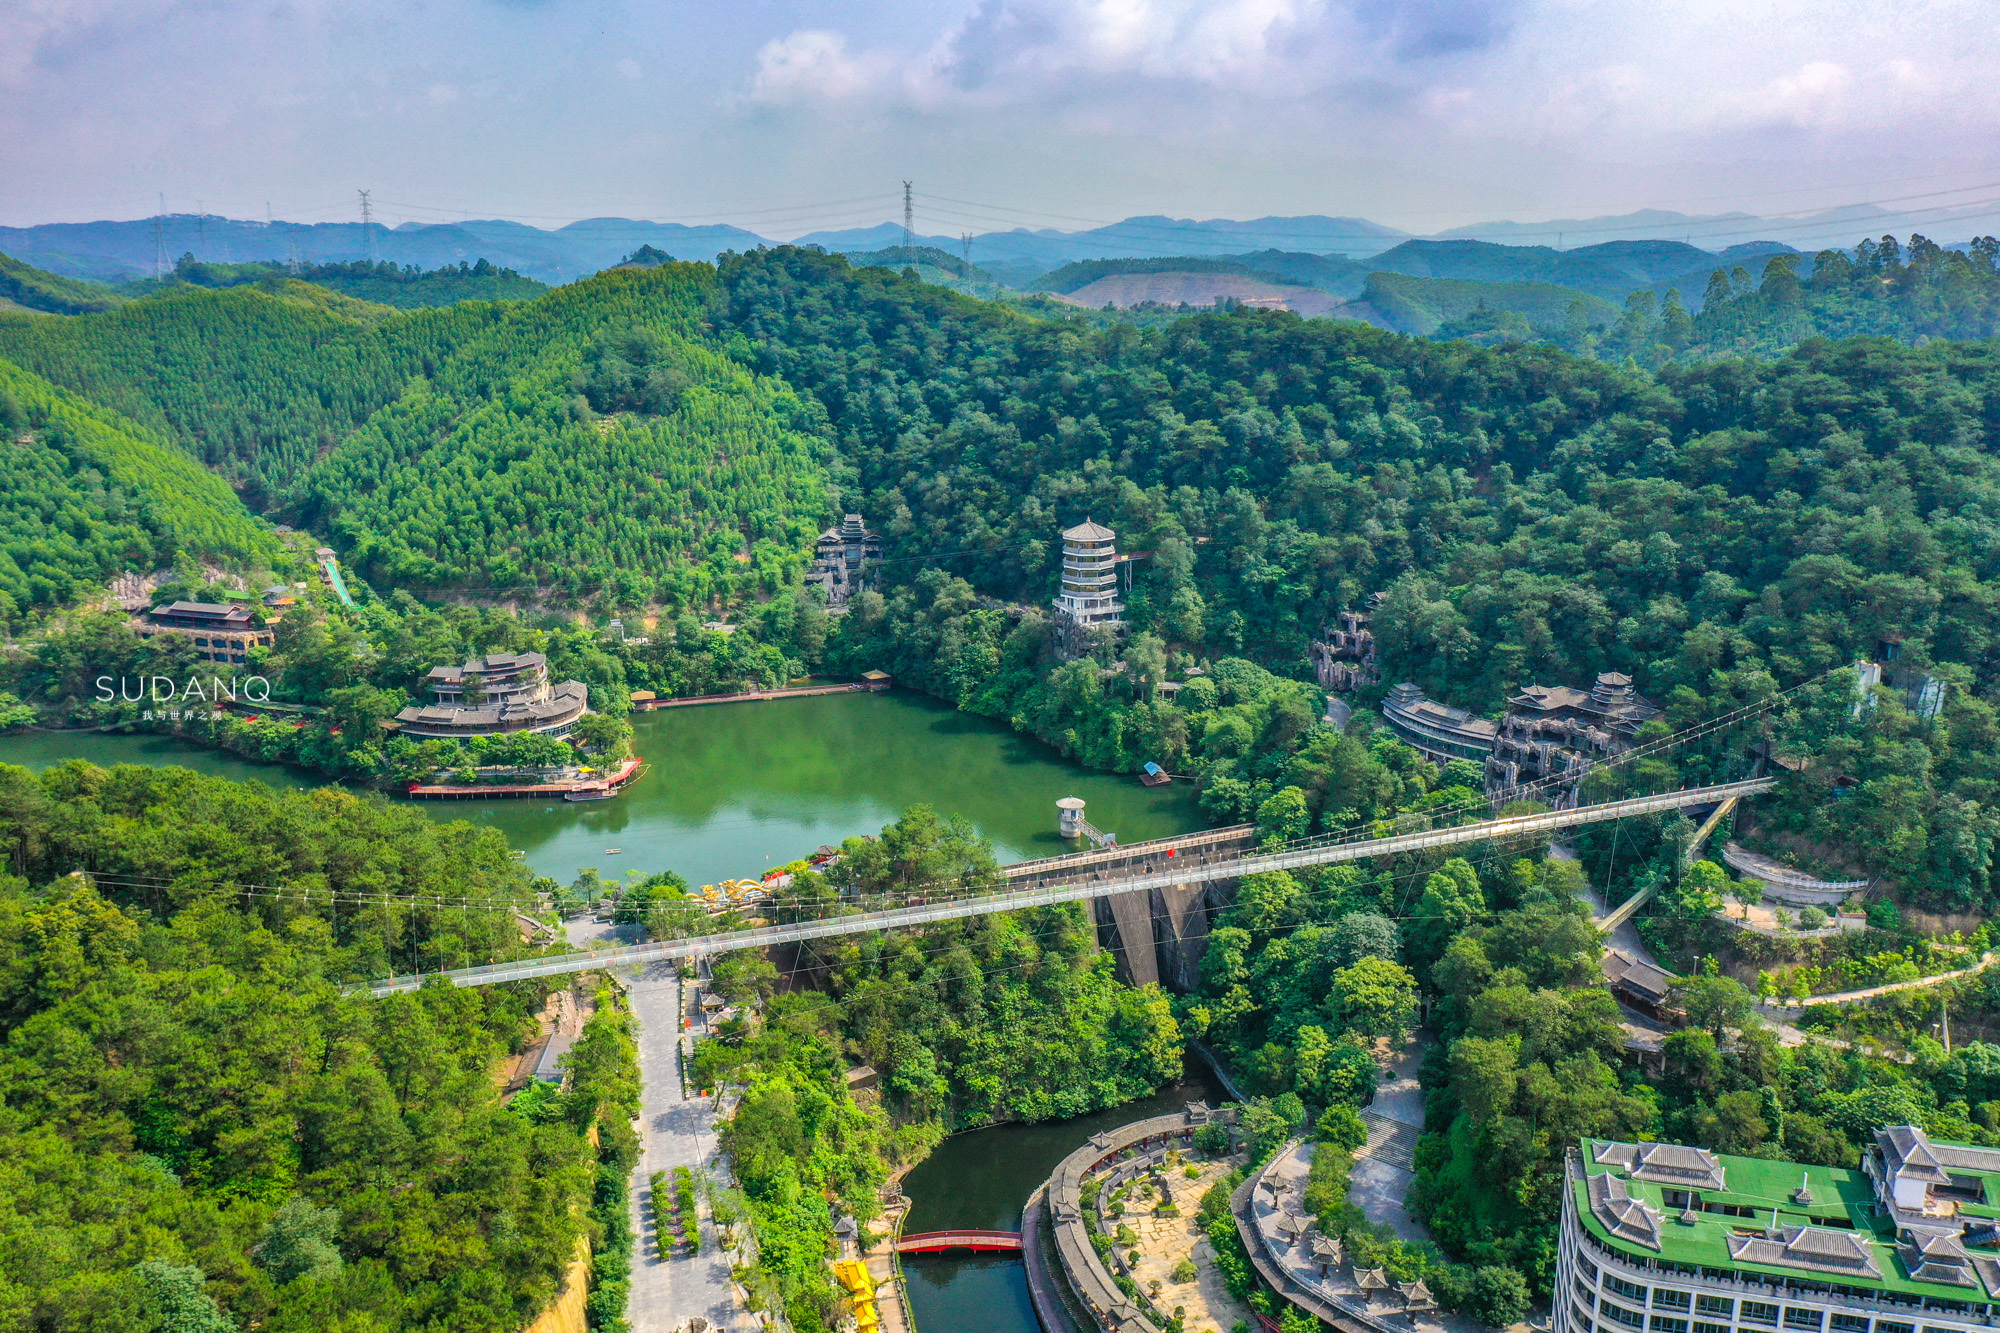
(367,225)
(908,213)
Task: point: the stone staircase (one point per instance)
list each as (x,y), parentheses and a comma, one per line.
(1391,1141)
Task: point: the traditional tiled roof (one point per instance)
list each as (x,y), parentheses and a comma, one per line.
(1621,1214)
(1819,1249)
(1665,1164)
(1906,1151)
(1088,531)
(1934,1256)
(1622,969)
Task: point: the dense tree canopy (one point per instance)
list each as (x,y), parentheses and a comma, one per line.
(200,1129)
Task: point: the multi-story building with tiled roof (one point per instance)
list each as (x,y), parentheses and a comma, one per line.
(1660,1238)
(1553,732)
(222,632)
(493,695)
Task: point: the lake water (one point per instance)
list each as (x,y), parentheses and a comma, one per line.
(979,1181)
(734,789)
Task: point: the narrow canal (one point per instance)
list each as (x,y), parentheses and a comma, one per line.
(979,1181)
(734,789)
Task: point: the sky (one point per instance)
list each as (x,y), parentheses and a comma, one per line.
(784,116)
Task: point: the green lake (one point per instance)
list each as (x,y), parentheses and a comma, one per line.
(734,789)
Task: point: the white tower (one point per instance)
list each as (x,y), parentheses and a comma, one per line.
(1090,576)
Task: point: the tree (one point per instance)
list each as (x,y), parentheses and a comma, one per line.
(1714,1003)
(1342,1126)
(1285,817)
(1451,900)
(178,1300)
(1376,998)
(1747,893)
(1700,890)
(300,1241)
(1463,773)
(1485,1072)
(1361,935)
(1499,1296)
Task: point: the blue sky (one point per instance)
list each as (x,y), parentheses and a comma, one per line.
(786,117)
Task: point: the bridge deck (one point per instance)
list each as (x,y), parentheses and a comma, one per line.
(1175,873)
(929,1242)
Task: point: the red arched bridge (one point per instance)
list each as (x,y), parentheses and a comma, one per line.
(937,1242)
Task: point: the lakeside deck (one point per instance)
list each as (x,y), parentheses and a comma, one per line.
(627,772)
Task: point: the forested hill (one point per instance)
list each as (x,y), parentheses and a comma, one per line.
(200,1131)
(1879,288)
(406,287)
(594,438)
(588,441)
(31,288)
(85,495)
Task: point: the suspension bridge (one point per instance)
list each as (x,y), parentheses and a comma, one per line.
(1174,874)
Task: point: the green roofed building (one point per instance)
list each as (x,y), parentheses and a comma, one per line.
(1662,1238)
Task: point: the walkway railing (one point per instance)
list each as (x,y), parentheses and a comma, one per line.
(1314,852)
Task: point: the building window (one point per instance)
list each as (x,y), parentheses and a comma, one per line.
(1666,1298)
(1587,1266)
(1757,1312)
(1717,1305)
(1700,1327)
(1629,1318)
(1929,1329)
(1668,1324)
(1583,1289)
(1582,1313)
(1891,1326)
(1850,1323)
(1797,1317)
(1631,1290)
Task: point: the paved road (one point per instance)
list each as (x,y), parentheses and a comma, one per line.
(674,1131)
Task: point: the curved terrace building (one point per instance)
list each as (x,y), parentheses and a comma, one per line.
(1439,730)
(1670,1239)
(1070,1284)
(494,695)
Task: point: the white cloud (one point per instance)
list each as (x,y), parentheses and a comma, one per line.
(1535,70)
(811,64)
(629,68)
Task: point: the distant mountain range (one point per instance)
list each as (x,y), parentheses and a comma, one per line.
(116,251)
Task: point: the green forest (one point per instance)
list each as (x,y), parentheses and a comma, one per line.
(1729,506)
(85,495)
(201,1129)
